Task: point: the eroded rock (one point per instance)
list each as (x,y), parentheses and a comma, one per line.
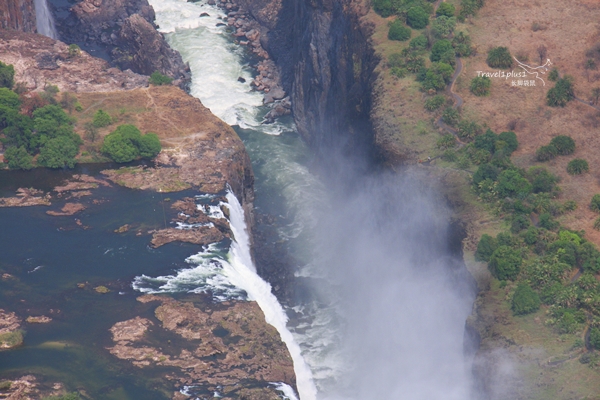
(10,335)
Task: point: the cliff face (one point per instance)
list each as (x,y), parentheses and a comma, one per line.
(18,15)
(326,64)
(124,30)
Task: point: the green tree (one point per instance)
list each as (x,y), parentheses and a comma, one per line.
(553,75)
(7,75)
(595,337)
(577,166)
(468,130)
(512,184)
(541,180)
(9,99)
(505,263)
(480,85)
(525,300)
(440,49)
(398,31)
(442,27)
(500,57)
(446,142)
(462,44)
(546,153)
(565,145)
(519,223)
(18,158)
(446,9)
(417,18)
(119,148)
(419,43)
(159,79)
(101,119)
(561,93)
(383,7)
(595,203)
(58,152)
(510,140)
(485,248)
(451,116)
(149,145)
(487,141)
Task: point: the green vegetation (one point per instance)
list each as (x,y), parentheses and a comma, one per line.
(159,79)
(398,31)
(525,300)
(68,396)
(565,145)
(468,130)
(462,44)
(546,153)
(446,142)
(485,248)
(419,43)
(595,203)
(451,116)
(553,75)
(469,8)
(435,102)
(18,158)
(11,339)
(441,50)
(74,50)
(386,8)
(561,93)
(443,27)
(480,85)
(7,75)
(595,338)
(417,18)
(577,166)
(505,263)
(446,9)
(499,57)
(126,144)
(101,119)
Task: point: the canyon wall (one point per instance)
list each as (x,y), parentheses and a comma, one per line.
(18,15)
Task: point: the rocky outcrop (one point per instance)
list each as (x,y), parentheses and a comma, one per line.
(226,346)
(326,63)
(10,335)
(125,31)
(18,15)
(41,61)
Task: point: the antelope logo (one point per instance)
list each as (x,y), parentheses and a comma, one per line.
(542,69)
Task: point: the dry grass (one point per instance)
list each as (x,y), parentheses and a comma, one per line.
(570,30)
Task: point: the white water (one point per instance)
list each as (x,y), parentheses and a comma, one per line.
(44,19)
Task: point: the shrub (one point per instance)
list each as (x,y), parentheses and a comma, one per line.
(525,300)
(487,141)
(398,31)
(435,102)
(480,85)
(159,79)
(577,166)
(462,44)
(446,9)
(74,50)
(101,119)
(417,18)
(512,184)
(547,222)
(505,263)
(18,158)
(468,130)
(595,203)
(59,152)
(510,140)
(485,248)
(542,181)
(546,153)
(463,162)
(565,145)
(469,7)
(561,93)
(9,99)
(553,75)
(499,57)
(596,225)
(519,223)
(68,396)
(7,75)
(439,49)
(414,63)
(442,26)
(449,155)
(383,7)
(531,235)
(446,142)
(399,72)
(126,143)
(567,323)
(395,60)
(595,338)
(419,43)
(451,116)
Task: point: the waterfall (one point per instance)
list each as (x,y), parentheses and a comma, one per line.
(44,19)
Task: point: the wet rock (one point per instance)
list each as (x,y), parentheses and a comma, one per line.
(26,197)
(102,289)
(68,209)
(42,319)
(205,14)
(242,80)
(122,229)
(201,235)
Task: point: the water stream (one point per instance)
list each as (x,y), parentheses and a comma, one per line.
(44,19)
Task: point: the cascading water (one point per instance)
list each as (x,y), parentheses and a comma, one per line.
(44,19)
(385,314)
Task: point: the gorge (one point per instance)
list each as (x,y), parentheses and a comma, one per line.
(374,268)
